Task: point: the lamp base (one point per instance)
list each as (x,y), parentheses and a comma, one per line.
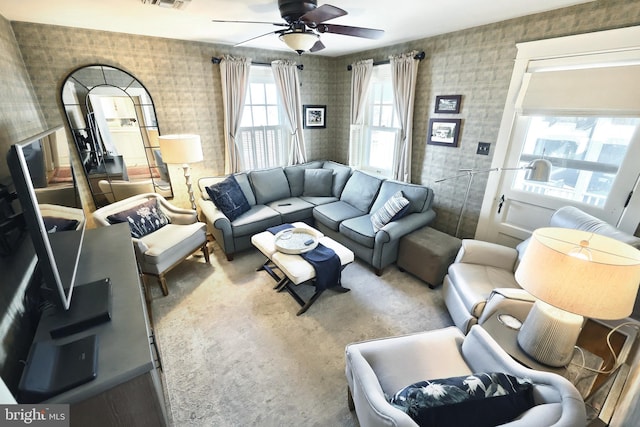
(187,179)
(549,334)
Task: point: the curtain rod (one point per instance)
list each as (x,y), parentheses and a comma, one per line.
(419,56)
(216,60)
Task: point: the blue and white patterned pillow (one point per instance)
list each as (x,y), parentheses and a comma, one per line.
(143,219)
(475,400)
(393,209)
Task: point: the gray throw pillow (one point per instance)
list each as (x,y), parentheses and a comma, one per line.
(317,182)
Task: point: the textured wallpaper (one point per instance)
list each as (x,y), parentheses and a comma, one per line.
(475,63)
(20,115)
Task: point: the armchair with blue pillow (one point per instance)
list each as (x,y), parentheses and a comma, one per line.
(163,235)
(442,378)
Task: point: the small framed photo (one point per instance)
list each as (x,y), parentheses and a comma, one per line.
(444,132)
(448,104)
(315,116)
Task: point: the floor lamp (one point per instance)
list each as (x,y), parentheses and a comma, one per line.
(538,170)
(573,273)
(182,149)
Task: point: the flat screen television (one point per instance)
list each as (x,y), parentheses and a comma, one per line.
(57,230)
(56,223)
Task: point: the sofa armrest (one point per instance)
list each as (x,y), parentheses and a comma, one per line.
(516,302)
(396,229)
(483,354)
(218,225)
(369,400)
(180,216)
(486,253)
(139,246)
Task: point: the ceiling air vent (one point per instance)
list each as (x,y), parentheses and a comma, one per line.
(175,4)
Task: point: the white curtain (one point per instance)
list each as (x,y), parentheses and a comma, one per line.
(234,73)
(285,75)
(404,72)
(360,80)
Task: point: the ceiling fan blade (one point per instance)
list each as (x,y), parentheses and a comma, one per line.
(322,13)
(367,33)
(317,46)
(279,24)
(257,37)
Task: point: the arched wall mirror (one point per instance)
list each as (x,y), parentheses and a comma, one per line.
(115,129)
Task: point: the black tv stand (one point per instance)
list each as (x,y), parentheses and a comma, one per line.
(90,306)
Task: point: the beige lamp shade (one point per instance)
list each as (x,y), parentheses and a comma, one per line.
(180,148)
(581,272)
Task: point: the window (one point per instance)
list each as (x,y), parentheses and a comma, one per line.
(381,130)
(586,153)
(260,138)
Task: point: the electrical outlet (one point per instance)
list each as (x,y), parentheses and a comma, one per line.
(483,148)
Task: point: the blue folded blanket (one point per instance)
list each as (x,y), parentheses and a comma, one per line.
(323,259)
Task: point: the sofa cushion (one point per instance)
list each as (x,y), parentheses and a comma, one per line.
(295,176)
(360,191)
(394,208)
(341,174)
(419,196)
(317,182)
(269,185)
(332,214)
(229,197)
(319,200)
(360,230)
(480,399)
(292,209)
(143,219)
(255,220)
(474,283)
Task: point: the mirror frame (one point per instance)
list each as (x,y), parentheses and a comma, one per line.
(98,164)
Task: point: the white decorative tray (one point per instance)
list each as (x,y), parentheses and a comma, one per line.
(295,240)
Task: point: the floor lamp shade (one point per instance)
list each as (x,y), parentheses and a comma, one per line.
(179,149)
(581,274)
(539,170)
(182,149)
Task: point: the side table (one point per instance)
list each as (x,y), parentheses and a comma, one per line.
(600,391)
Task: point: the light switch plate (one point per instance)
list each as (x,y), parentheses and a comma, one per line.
(483,148)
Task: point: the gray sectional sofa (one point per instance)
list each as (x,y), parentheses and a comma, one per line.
(332,197)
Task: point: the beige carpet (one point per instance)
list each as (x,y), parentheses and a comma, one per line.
(236,354)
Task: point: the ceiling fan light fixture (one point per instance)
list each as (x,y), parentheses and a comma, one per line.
(300,41)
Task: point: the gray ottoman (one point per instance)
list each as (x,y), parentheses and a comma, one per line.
(427,254)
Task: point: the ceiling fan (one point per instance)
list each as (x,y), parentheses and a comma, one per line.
(305,21)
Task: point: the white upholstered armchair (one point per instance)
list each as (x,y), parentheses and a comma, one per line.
(160,244)
(377,369)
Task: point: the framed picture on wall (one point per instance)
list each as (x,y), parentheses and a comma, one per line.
(448,104)
(444,132)
(315,116)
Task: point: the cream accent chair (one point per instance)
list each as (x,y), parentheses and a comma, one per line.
(120,190)
(160,251)
(484,270)
(384,366)
(59,211)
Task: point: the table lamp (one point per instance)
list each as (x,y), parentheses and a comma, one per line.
(573,273)
(182,149)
